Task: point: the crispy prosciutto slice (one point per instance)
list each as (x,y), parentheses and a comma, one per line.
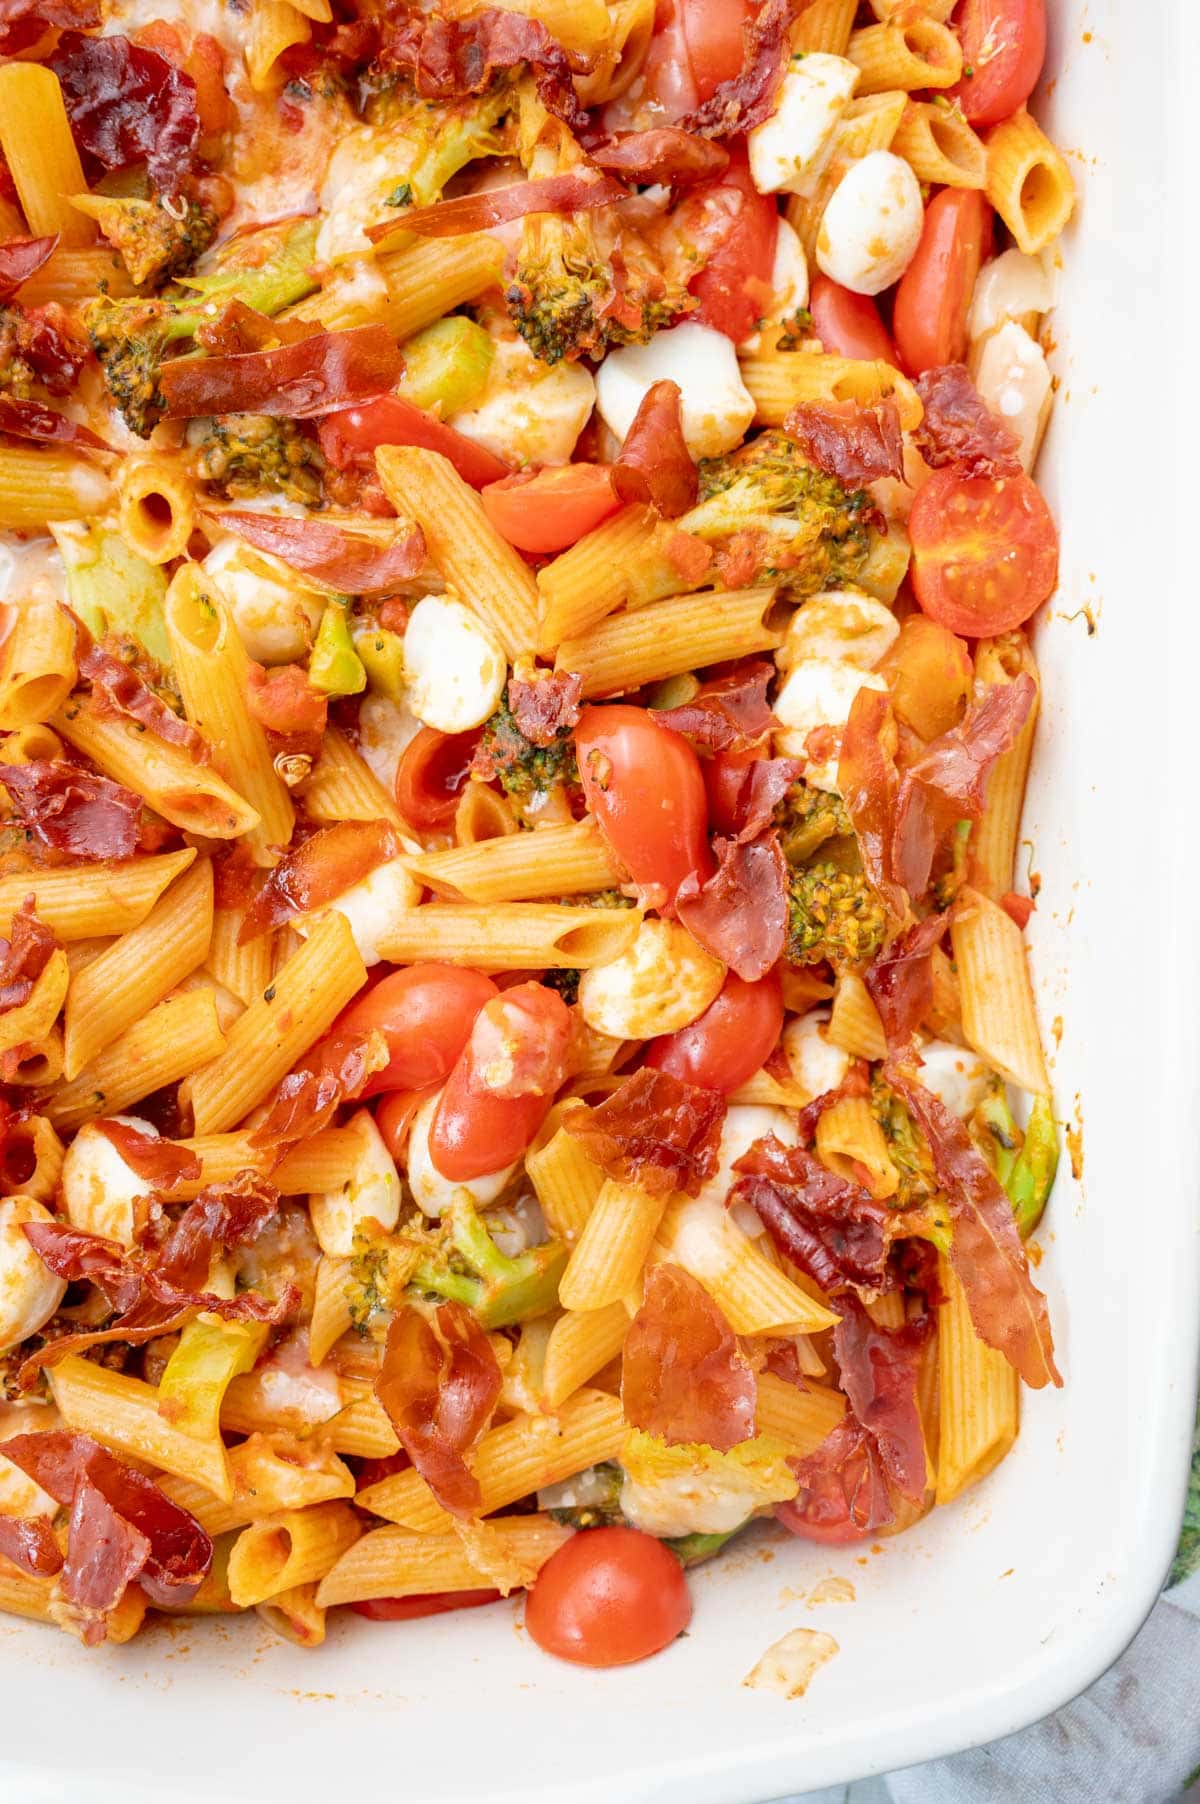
(870,787)
(665,154)
(31,420)
(23,22)
(336,1070)
(575,192)
(654,1131)
(854,443)
(296,381)
(654,465)
(118,687)
(1008,1310)
(122,1527)
(325,865)
(900,980)
(843,1493)
(327,551)
(24,955)
(544,704)
(682,1376)
(128,105)
(878,1369)
(155,1159)
(958,429)
(748,98)
(729,713)
(831,1228)
(30,1544)
(439,1383)
(71,811)
(451,58)
(21,258)
(740,913)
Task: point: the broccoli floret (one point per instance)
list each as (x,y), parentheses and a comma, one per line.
(525,771)
(564,979)
(833,915)
(806,818)
(423,143)
(592,1499)
(243,454)
(468,1267)
(773,517)
(154,241)
(1024,1162)
(918,1186)
(580,288)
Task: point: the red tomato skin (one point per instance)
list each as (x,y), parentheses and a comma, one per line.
(373,1471)
(549,510)
(848,324)
(428,1603)
(609,1596)
(394,421)
(425,1014)
(724,778)
(394,1118)
(730,1041)
(735,284)
(475,1130)
(644,785)
(430,775)
(934,296)
(1002,530)
(842,1533)
(712,31)
(1004,44)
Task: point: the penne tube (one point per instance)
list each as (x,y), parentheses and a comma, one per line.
(779,381)
(850,1142)
(324,1161)
(244,969)
(978,1396)
(77,273)
(21,1594)
(42,484)
(188,794)
(767,1091)
(945,1013)
(998,1015)
(584,584)
(297,1547)
(31,1022)
(433,276)
(331,1308)
(32,1159)
(482,815)
(581,1343)
(392,1562)
(669,638)
(854,1022)
(800,1417)
(512,936)
(564,1179)
(754,1295)
(1028,182)
(156,508)
(343,787)
(123,1413)
(39,148)
(139,969)
(213,670)
(511,1461)
(994,838)
(824,25)
(39,1063)
(565,860)
(272,28)
(922,54)
(175,1038)
(939,146)
(28,744)
(37,663)
(484,570)
(263,1480)
(295,1615)
(607,1259)
(301,1004)
(93,900)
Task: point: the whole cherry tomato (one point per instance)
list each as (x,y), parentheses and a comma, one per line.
(730,1041)
(1004,47)
(607,1597)
(549,510)
(392,420)
(848,324)
(425,1014)
(934,296)
(644,785)
(501,1087)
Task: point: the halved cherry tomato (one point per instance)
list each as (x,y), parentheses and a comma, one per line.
(848,324)
(607,1597)
(394,1118)
(712,31)
(644,785)
(827,1520)
(425,1014)
(730,1041)
(548,510)
(734,286)
(503,1083)
(392,420)
(934,296)
(427,1603)
(432,770)
(985,554)
(1004,47)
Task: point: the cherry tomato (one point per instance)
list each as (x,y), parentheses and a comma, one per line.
(930,675)
(831,1527)
(607,1597)
(985,554)
(934,296)
(428,1603)
(1004,47)
(550,509)
(430,774)
(425,1014)
(725,777)
(712,32)
(392,420)
(848,324)
(503,1083)
(373,1471)
(394,1119)
(734,286)
(644,785)
(730,1041)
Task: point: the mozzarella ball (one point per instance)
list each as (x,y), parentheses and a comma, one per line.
(745,1123)
(789,284)
(456,671)
(1009,287)
(372,1192)
(434,1193)
(818,692)
(371,907)
(385,728)
(29,1292)
(1012,377)
(716,408)
(841,625)
(275,612)
(816,1064)
(100,1192)
(531,412)
(872,225)
(955,1074)
(705,1500)
(663,981)
(791,147)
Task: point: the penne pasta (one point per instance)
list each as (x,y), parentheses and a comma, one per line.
(978,1396)
(40,485)
(344,788)
(825,26)
(779,381)
(161,1048)
(581,586)
(297,1547)
(922,54)
(939,145)
(565,1180)
(1028,182)
(551,861)
(580,1344)
(612,1247)
(35,136)
(242,968)
(668,638)
(273,27)
(512,936)
(155,508)
(432,276)
(799,1416)
(264,1480)
(854,1022)
(994,837)
(391,1562)
(93,900)
(998,1015)
(850,1141)
(295,1615)
(123,1412)
(330,1309)
(37,664)
(754,1295)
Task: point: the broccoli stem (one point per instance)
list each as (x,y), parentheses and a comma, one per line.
(691,1550)
(335,667)
(498,1289)
(1025,1163)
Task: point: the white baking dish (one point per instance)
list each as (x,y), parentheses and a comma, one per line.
(997,1610)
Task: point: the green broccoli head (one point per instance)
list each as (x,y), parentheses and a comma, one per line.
(807,818)
(833,915)
(132,339)
(525,771)
(773,517)
(155,242)
(427,142)
(909,1152)
(468,1267)
(582,287)
(245,454)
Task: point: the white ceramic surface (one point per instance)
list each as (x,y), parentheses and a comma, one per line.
(1001,1608)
